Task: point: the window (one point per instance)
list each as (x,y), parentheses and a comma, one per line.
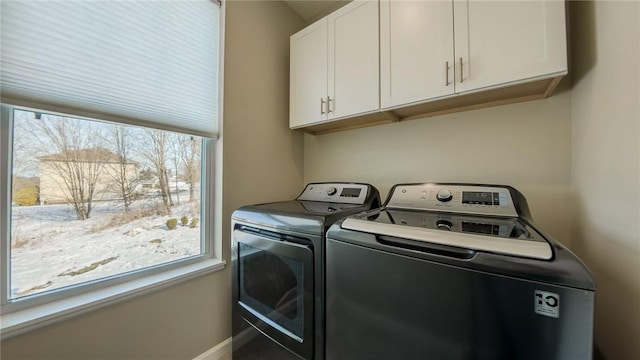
(90,200)
(107,137)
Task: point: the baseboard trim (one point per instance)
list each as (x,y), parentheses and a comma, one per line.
(216,352)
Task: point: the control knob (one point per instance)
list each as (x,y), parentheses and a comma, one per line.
(444,195)
(331,190)
(444,225)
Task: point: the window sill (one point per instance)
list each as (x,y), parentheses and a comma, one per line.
(22,321)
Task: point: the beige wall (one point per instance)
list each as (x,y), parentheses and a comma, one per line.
(575,156)
(568,154)
(54,188)
(176,323)
(526,145)
(262,162)
(262,157)
(605,107)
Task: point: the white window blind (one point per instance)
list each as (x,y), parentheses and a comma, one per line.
(152,62)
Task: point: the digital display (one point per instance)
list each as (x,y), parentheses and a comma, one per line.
(488,229)
(480,197)
(350,192)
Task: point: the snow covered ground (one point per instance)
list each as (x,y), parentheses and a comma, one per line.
(52,249)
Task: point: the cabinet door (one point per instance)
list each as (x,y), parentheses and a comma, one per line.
(308,75)
(501,42)
(416,51)
(354,71)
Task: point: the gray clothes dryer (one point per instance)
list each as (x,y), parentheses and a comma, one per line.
(277,256)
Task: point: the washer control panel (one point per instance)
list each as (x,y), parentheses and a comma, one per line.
(346,193)
(469,199)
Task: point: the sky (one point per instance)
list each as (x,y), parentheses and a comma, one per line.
(30,139)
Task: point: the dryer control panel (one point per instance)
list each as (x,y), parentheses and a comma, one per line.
(468,199)
(346,193)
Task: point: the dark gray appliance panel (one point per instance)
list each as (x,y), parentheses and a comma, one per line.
(382,305)
(274,288)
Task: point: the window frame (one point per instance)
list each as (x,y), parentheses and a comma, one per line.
(20,315)
(32,312)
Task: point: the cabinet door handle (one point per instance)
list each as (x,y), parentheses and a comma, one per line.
(461,72)
(321,106)
(446,73)
(329,105)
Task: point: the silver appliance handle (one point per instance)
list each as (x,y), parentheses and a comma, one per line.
(525,248)
(446,73)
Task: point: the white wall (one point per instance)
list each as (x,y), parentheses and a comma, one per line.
(262,162)
(605,108)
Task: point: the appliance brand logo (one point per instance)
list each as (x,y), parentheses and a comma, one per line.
(547,303)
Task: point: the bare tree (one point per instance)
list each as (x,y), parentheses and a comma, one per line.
(190,152)
(156,154)
(25,164)
(124,179)
(77,161)
(25,154)
(175,143)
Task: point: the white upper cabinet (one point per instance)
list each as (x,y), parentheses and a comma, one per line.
(499,42)
(431,49)
(308,75)
(416,51)
(335,66)
(373,62)
(354,66)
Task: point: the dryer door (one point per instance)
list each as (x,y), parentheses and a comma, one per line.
(275,288)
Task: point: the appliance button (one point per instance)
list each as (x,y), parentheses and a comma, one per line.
(444,195)
(331,190)
(444,225)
